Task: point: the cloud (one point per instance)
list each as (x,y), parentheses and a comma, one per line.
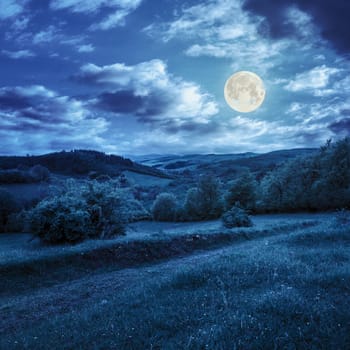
(331,17)
(55,35)
(34,117)
(313,80)
(148,92)
(221,29)
(18,54)
(11,8)
(341,127)
(86,48)
(118,10)
(46,36)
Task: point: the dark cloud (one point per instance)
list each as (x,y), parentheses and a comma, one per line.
(306,137)
(332,18)
(173,127)
(120,102)
(37,103)
(34,118)
(12,99)
(127,102)
(340,126)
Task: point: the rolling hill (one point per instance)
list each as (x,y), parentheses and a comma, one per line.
(222,165)
(79,163)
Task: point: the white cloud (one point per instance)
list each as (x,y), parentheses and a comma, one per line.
(182,101)
(302,22)
(113,20)
(119,10)
(211,19)
(20,24)
(221,29)
(312,80)
(18,54)
(86,48)
(11,8)
(46,36)
(34,117)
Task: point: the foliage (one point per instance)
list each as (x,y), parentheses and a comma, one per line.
(318,182)
(236,217)
(242,190)
(34,174)
(80,162)
(39,173)
(8,206)
(135,211)
(204,201)
(91,210)
(165,207)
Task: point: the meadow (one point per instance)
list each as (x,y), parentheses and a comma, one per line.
(282,284)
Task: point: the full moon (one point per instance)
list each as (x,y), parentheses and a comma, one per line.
(244,91)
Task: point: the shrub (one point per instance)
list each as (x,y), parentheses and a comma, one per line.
(164,207)
(204,201)
(39,173)
(14,176)
(89,211)
(236,217)
(191,206)
(242,190)
(61,219)
(135,211)
(8,206)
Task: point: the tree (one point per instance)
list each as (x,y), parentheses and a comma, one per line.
(92,210)
(204,201)
(243,191)
(236,217)
(165,207)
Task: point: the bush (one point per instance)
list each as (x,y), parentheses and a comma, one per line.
(8,206)
(61,219)
(22,175)
(204,201)
(89,211)
(39,173)
(242,190)
(15,176)
(236,217)
(164,207)
(135,211)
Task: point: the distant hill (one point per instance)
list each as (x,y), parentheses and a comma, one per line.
(80,162)
(223,165)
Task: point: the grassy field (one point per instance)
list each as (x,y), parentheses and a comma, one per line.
(280,286)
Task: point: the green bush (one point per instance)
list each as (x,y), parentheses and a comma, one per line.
(87,211)
(164,207)
(236,217)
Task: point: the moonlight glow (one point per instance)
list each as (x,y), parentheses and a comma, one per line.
(244,91)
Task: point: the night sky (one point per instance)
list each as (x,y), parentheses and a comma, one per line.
(147,76)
